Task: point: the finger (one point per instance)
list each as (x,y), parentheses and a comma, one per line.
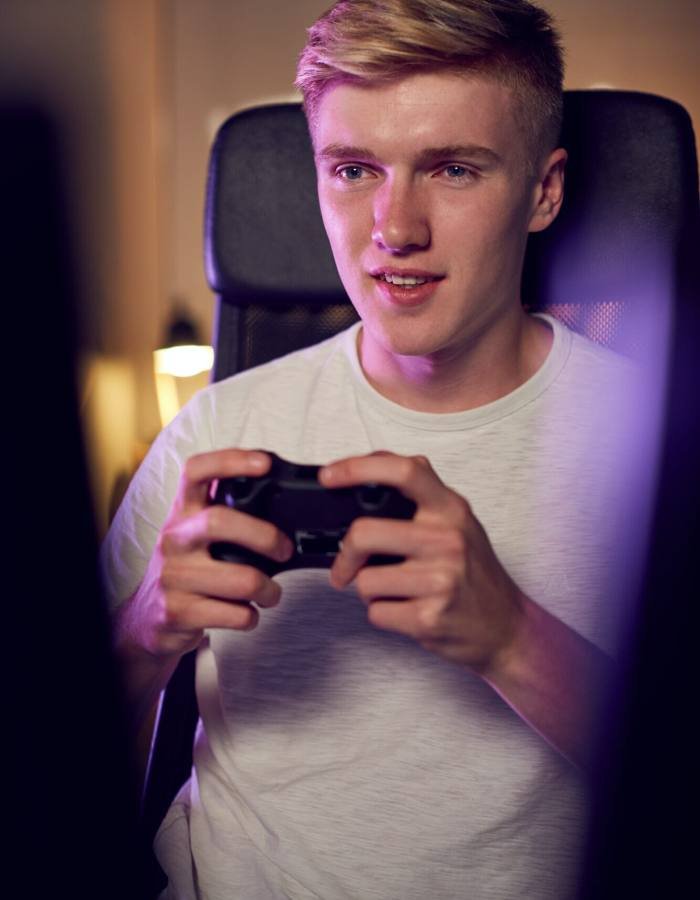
(412,475)
(412,539)
(365,537)
(191,612)
(218,523)
(417,619)
(224,581)
(404,581)
(199,471)
(422,460)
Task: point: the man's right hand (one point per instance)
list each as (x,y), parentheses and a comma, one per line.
(184,590)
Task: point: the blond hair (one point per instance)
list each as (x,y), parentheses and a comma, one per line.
(370,41)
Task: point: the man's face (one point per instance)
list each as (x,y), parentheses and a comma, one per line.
(427,201)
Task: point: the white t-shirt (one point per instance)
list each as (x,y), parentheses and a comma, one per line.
(334,760)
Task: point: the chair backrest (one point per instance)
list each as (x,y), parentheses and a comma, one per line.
(610,266)
(613,266)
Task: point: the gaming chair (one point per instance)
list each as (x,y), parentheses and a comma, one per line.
(617,265)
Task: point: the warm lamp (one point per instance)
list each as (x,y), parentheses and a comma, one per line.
(182,355)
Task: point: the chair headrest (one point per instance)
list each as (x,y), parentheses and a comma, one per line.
(264,236)
(622,235)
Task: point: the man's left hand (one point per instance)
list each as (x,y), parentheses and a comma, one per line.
(450,593)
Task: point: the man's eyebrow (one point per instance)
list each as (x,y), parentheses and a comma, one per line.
(345,151)
(433,155)
(426,157)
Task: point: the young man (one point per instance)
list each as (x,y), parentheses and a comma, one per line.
(417,729)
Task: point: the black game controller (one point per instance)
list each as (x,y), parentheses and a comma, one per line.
(313,517)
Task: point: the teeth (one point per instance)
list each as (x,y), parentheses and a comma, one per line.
(404,279)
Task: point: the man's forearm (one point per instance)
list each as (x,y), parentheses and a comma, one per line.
(556,681)
(144,675)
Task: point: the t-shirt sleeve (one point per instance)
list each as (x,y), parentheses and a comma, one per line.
(134,530)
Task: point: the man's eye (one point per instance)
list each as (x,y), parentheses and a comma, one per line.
(456,172)
(350,173)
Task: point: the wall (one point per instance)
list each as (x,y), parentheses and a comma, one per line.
(225,56)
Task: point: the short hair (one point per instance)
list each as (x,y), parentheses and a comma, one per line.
(366,42)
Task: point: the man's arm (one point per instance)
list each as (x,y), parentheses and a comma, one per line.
(457,600)
(556,681)
(184,590)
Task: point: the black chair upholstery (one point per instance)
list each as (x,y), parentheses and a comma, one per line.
(267,256)
(609,266)
(612,266)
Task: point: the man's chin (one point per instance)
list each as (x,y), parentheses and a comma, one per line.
(398,340)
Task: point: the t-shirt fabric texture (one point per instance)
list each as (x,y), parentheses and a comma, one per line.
(334,760)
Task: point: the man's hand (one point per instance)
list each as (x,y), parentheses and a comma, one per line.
(184,590)
(453,596)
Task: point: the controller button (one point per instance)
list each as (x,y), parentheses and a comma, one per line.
(372,497)
(237,490)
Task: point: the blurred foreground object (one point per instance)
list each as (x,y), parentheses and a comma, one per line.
(72,797)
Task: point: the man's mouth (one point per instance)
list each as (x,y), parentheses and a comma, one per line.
(405,280)
(405,289)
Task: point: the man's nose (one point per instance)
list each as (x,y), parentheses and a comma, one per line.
(400,218)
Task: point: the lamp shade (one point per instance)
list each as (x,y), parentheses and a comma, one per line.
(182,354)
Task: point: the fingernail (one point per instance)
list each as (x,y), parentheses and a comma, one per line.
(286,550)
(257,460)
(325,475)
(336,581)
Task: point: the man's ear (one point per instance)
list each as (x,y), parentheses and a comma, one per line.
(548,192)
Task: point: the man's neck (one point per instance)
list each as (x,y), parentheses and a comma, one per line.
(494,365)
